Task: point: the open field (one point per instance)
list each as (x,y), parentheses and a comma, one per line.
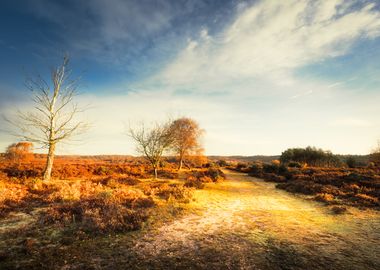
(125,220)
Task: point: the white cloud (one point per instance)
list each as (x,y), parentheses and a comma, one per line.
(272,38)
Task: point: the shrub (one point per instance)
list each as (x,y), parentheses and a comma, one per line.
(337,210)
(270,168)
(367,199)
(131,181)
(276,162)
(215,174)
(222,163)
(100,213)
(351,187)
(12,195)
(143,202)
(294,164)
(241,166)
(102,170)
(175,191)
(21,172)
(371,165)
(256,169)
(193,182)
(324,197)
(300,186)
(95,217)
(274,177)
(351,162)
(283,170)
(167,174)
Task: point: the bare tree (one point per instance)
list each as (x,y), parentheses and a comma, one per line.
(54,116)
(186,135)
(152,143)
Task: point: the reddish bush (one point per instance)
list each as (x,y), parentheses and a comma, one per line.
(166,191)
(324,197)
(337,210)
(366,199)
(193,182)
(99,210)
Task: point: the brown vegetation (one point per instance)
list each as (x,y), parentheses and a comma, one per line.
(87,197)
(19,152)
(96,194)
(198,178)
(352,186)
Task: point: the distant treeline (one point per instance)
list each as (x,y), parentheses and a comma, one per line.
(310,155)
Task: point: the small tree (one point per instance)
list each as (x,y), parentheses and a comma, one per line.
(351,162)
(152,143)
(53,117)
(375,155)
(186,138)
(21,151)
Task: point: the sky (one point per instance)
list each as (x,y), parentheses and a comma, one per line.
(258,76)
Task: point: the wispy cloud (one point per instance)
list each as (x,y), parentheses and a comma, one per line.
(124,34)
(272,38)
(302,94)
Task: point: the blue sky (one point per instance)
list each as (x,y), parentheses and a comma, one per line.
(259,76)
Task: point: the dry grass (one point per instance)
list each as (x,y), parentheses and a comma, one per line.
(115,197)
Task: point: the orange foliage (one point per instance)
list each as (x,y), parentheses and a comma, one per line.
(20,152)
(186,135)
(96,195)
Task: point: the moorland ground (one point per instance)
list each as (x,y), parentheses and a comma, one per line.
(241,222)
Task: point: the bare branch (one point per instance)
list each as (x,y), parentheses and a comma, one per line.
(152,143)
(53,119)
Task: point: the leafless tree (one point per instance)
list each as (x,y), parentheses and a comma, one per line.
(375,155)
(152,142)
(186,135)
(53,118)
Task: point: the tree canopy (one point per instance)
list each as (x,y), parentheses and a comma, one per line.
(311,156)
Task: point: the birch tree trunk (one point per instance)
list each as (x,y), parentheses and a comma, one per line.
(49,162)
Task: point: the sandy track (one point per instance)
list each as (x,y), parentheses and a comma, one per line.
(245,223)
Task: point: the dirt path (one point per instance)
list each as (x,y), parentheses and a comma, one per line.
(245,223)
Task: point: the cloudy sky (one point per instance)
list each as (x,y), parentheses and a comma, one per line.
(259,76)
